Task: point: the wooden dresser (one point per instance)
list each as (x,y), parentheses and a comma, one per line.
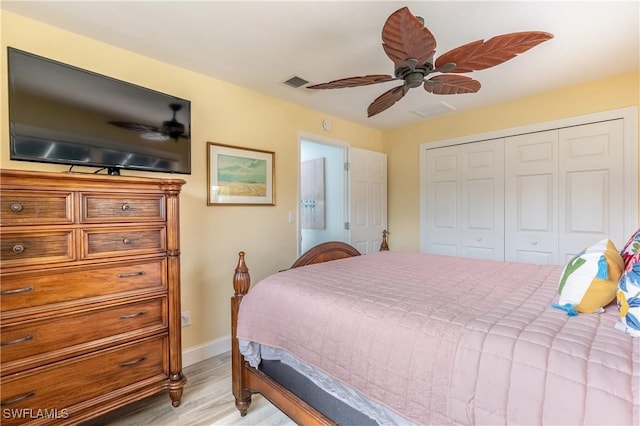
(90,294)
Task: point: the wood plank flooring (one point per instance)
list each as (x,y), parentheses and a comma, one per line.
(207,400)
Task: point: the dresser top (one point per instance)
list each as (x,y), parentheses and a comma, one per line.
(65,180)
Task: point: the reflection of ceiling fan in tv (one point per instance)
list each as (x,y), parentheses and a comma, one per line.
(412,47)
(171,129)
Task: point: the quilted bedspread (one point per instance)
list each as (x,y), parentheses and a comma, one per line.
(446,340)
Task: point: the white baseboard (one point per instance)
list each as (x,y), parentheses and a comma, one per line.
(199,353)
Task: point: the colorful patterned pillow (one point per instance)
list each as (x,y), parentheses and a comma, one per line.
(629,297)
(632,247)
(590,280)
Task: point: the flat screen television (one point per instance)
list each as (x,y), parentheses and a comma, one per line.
(62,114)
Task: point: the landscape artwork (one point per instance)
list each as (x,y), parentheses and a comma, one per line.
(242,176)
(238,175)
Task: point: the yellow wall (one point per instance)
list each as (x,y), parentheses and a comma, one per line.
(224,113)
(402,145)
(211,236)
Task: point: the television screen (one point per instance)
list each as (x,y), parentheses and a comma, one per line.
(62,114)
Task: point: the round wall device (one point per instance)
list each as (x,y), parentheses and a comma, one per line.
(326,125)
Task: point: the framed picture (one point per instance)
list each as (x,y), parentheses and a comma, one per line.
(239,176)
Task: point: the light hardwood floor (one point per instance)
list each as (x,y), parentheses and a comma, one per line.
(207,400)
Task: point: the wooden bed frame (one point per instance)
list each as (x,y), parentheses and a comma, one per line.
(247,380)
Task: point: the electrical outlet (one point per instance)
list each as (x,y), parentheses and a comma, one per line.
(186,318)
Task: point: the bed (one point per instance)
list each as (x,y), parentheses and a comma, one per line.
(416,338)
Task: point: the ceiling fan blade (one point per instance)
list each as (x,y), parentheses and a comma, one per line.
(450,84)
(479,55)
(364,80)
(404,36)
(387,100)
(146,132)
(135,127)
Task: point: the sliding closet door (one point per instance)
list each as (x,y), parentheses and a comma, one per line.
(591,186)
(531,198)
(565,188)
(465,189)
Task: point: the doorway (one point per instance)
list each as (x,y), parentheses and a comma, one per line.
(323,193)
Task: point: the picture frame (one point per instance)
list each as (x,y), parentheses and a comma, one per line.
(240,176)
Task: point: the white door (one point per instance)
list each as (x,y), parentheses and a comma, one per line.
(465,200)
(531,198)
(591,186)
(368,198)
(443,194)
(482,201)
(565,189)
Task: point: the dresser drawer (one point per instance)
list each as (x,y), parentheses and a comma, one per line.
(23,290)
(100,208)
(121,241)
(61,385)
(35,208)
(49,335)
(36,247)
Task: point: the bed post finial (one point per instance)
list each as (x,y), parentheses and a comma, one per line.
(385,245)
(241,279)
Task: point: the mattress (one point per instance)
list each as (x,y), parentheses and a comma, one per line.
(438,339)
(334,399)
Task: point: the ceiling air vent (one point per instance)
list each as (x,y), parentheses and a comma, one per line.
(432,110)
(295,82)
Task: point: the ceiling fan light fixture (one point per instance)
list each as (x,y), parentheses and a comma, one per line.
(173,128)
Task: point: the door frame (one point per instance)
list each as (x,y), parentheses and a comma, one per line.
(629,115)
(320,140)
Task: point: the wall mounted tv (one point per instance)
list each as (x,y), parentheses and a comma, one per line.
(66,115)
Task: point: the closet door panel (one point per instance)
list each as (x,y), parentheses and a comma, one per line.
(531,198)
(482,201)
(591,186)
(443,220)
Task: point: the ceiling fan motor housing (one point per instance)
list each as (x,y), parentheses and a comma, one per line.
(173,128)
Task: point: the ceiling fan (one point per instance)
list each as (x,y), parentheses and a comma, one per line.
(171,129)
(411,47)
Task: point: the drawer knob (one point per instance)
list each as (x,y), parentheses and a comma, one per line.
(18,398)
(134,362)
(16,207)
(126,207)
(17,290)
(129,316)
(126,241)
(131,274)
(18,340)
(18,248)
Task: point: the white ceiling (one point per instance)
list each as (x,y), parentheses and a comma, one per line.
(260,44)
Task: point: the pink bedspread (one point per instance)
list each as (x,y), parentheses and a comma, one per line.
(450,340)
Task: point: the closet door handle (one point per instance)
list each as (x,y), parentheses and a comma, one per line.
(18,340)
(17,290)
(134,362)
(18,398)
